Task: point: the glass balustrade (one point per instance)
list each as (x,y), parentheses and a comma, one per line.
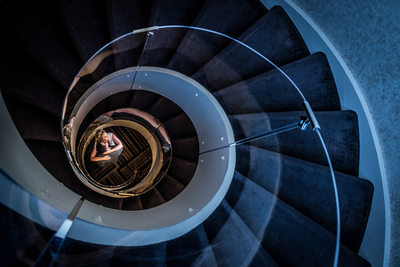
(279,127)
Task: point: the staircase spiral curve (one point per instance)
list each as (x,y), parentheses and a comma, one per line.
(260,222)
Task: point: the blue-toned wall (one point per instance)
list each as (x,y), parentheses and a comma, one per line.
(366,33)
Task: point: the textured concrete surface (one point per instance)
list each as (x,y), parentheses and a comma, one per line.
(366,33)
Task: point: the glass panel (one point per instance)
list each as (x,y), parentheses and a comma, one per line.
(280,162)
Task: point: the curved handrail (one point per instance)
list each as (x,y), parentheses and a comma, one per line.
(307,107)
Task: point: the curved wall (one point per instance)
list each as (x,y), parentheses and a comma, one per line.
(365,35)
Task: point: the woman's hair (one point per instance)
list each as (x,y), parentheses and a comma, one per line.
(98,135)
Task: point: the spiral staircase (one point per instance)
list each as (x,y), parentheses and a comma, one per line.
(48,42)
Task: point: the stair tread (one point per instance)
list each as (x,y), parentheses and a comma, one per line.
(272,92)
(169,187)
(120,100)
(273,35)
(123,17)
(152,199)
(132,203)
(142,99)
(30,82)
(284,227)
(197,47)
(339,129)
(163,108)
(307,187)
(179,126)
(187,148)
(85,25)
(151,255)
(53,157)
(53,50)
(185,250)
(32,122)
(235,244)
(182,170)
(84,254)
(163,43)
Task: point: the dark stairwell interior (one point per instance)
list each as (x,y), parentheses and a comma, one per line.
(48,42)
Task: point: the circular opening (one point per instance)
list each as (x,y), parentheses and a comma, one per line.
(124,153)
(125,166)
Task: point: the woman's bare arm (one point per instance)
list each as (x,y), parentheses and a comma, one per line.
(117,147)
(94,158)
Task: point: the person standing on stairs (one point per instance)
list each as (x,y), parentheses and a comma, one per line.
(106,150)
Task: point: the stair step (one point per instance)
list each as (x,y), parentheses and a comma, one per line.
(132,203)
(32,122)
(142,99)
(339,129)
(308,188)
(85,24)
(235,244)
(183,251)
(52,156)
(186,148)
(163,108)
(120,100)
(273,35)
(152,199)
(30,83)
(291,238)
(182,170)
(169,187)
(78,253)
(163,43)
(197,48)
(207,258)
(84,21)
(124,16)
(272,92)
(151,255)
(38,29)
(179,126)
(25,239)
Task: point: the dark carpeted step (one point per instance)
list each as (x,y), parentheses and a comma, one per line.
(197,47)
(169,187)
(101,108)
(339,129)
(185,250)
(121,100)
(142,99)
(151,199)
(86,25)
(124,16)
(32,122)
(36,26)
(151,255)
(182,170)
(163,109)
(163,43)
(186,148)
(78,253)
(30,83)
(180,126)
(271,91)
(308,188)
(132,203)
(274,36)
(291,238)
(235,244)
(25,239)
(52,156)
